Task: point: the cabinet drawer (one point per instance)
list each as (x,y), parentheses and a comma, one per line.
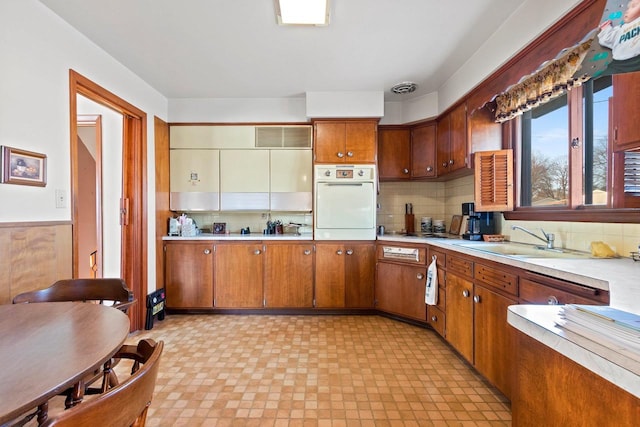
(460,265)
(404,254)
(436,318)
(497,278)
(441,258)
(537,293)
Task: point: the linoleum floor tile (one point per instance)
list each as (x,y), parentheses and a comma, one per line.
(320,371)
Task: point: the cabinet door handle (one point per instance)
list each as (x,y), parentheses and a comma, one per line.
(349,251)
(434,318)
(340,154)
(445,164)
(552,300)
(307,251)
(206,251)
(339,252)
(429,168)
(349,153)
(465,293)
(405,171)
(476,299)
(451,161)
(420,276)
(257,252)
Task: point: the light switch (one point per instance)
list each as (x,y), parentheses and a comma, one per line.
(61,198)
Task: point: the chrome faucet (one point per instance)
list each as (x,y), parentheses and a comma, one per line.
(549,238)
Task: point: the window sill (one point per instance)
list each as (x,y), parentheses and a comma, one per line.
(594,214)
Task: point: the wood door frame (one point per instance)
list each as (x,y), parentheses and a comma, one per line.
(133,209)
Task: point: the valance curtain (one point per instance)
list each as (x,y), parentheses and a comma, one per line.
(550,80)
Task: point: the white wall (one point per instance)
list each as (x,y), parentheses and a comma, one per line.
(529,21)
(37,50)
(221,110)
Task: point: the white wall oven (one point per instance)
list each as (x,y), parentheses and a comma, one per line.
(345,202)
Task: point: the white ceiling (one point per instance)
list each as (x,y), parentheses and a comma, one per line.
(234,49)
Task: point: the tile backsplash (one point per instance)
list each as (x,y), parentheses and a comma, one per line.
(438,200)
(256,221)
(441,200)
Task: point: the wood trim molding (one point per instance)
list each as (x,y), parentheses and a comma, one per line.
(133,264)
(32,224)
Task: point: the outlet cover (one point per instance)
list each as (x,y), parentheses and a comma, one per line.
(61,198)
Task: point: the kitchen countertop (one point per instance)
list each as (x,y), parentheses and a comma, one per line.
(615,274)
(238,236)
(614,363)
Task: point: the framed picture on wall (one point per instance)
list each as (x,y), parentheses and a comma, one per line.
(23,167)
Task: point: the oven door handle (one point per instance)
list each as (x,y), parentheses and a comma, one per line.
(335,184)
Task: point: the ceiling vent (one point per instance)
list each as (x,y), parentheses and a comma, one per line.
(404,87)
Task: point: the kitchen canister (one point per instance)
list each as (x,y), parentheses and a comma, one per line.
(426,224)
(438,226)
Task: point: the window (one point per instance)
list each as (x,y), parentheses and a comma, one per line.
(578,156)
(544,166)
(595,119)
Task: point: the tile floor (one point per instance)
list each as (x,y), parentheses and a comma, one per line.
(265,370)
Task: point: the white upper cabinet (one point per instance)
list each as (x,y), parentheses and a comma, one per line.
(241,168)
(291,180)
(196,136)
(194,179)
(244,179)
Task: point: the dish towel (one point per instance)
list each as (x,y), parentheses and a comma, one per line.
(431,289)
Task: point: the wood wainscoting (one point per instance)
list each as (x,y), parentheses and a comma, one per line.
(33,255)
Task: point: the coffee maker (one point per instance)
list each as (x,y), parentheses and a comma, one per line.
(478,223)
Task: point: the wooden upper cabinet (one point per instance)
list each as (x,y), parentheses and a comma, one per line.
(442,147)
(625,105)
(452,147)
(394,154)
(345,141)
(423,151)
(493,181)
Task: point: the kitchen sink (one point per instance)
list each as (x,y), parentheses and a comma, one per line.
(521,250)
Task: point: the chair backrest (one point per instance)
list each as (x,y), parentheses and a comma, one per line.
(99,289)
(122,406)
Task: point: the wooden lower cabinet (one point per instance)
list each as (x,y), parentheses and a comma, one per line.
(400,290)
(460,314)
(344,275)
(330,275)
(288,275)
(188,274)
(360,275)
(494,338)
(238,275)
(551,389)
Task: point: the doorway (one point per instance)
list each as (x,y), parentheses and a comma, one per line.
(132,209)
(89,208)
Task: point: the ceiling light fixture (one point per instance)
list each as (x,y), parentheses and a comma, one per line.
(302,12)
(404,88)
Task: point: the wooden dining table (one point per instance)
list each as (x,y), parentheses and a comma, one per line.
(45,348)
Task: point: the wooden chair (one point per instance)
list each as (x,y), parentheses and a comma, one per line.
(98,290)
(127,403)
